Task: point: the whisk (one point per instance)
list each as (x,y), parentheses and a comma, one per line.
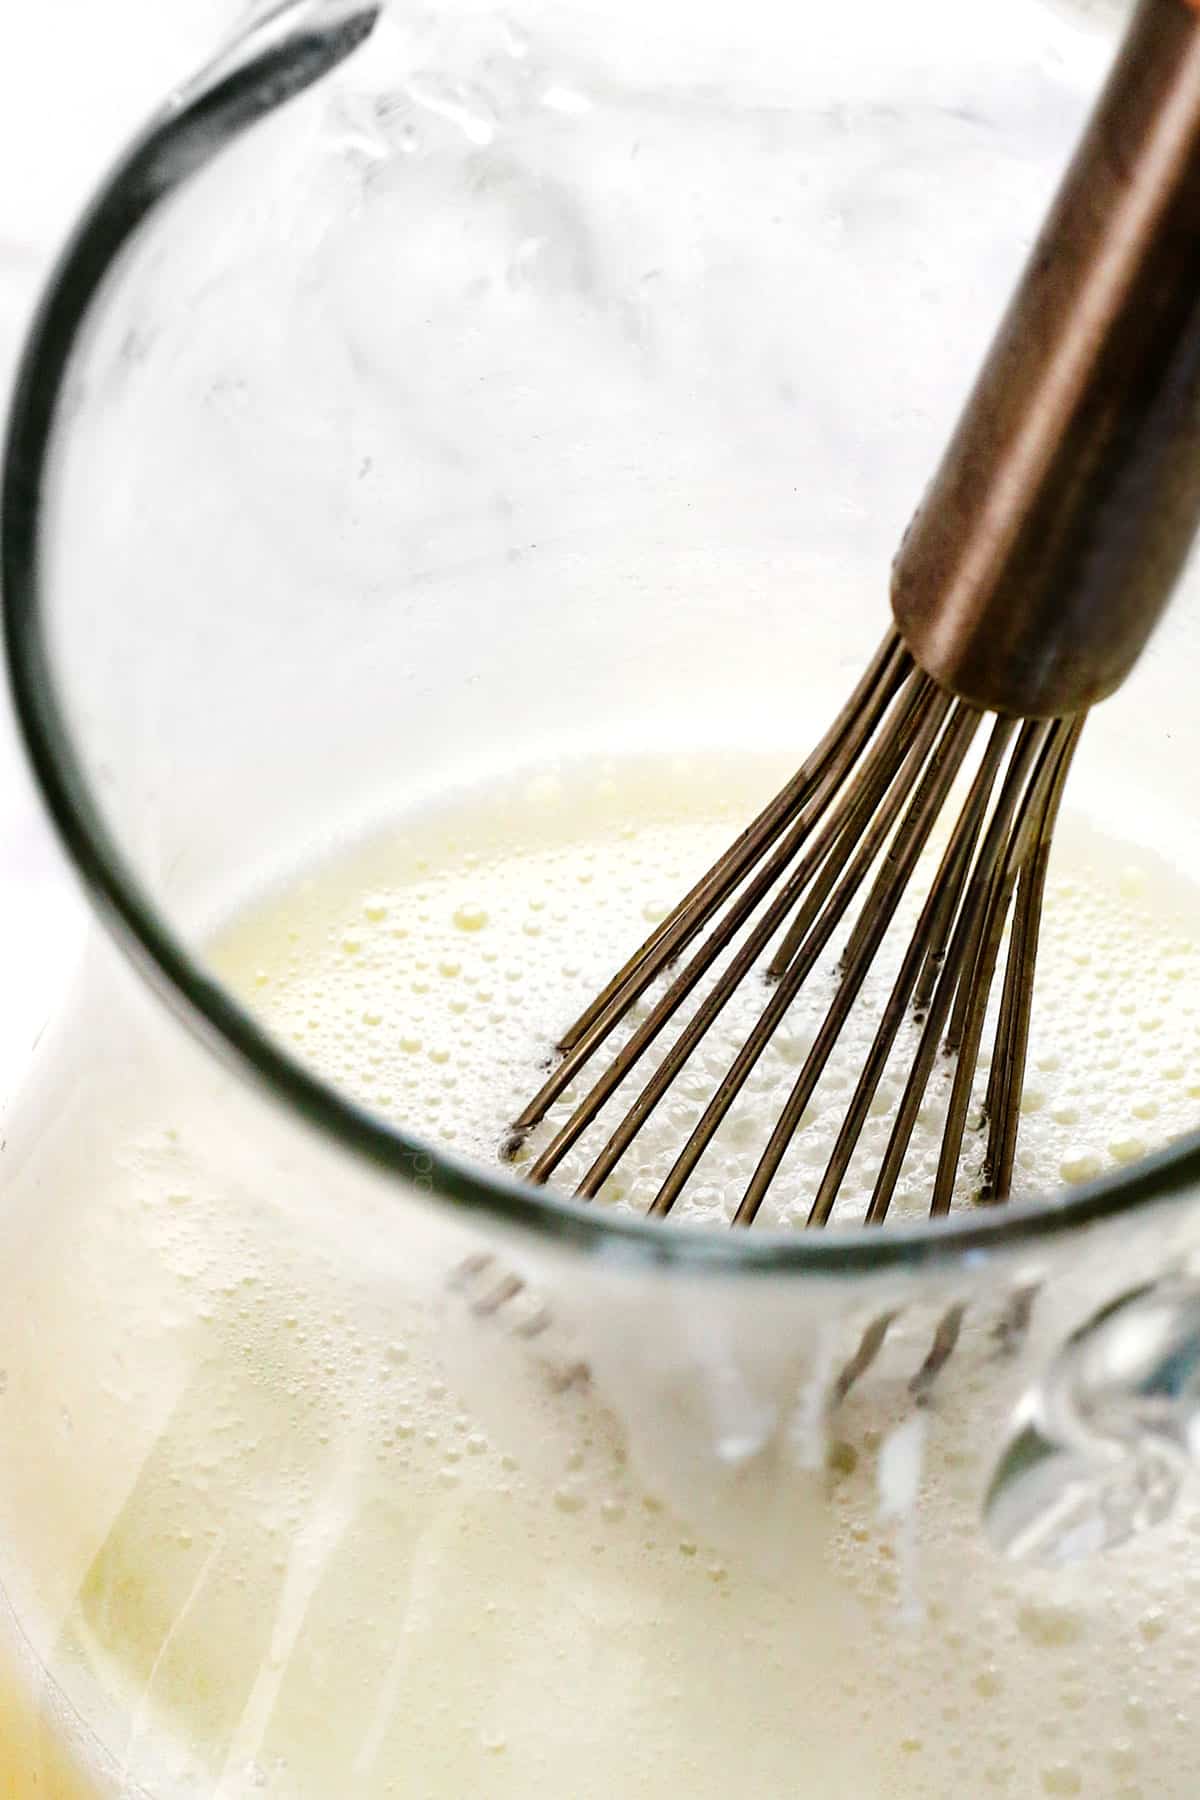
(1025,589)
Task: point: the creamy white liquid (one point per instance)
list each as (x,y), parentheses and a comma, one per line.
(365,1555)
(431,975)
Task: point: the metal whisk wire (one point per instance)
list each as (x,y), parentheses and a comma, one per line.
(868,799)
(1041,558)
(1025,588)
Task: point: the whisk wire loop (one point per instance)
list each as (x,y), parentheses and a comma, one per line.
(861,812)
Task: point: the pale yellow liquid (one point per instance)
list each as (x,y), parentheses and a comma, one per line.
(356,1559)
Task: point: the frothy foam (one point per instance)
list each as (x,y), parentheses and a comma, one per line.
(431,977)
(319,1572)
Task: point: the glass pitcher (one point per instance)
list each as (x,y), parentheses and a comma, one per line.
(356,455)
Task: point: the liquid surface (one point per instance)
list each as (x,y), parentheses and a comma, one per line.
(334,1542)
(432,974)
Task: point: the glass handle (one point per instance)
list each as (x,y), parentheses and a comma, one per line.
(1104,1443)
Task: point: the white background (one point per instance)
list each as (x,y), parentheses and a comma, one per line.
(76,76)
